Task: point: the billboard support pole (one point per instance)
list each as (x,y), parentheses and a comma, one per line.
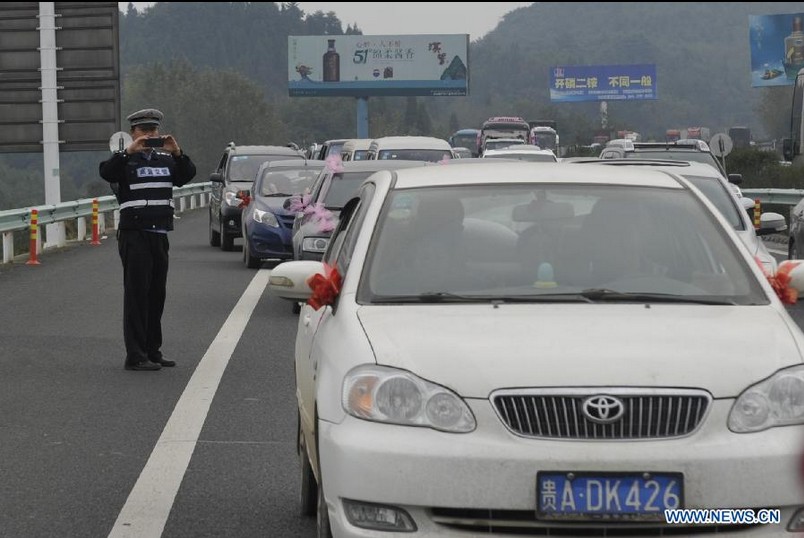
(50,117)
(362,117)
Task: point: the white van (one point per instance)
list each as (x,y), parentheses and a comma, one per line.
(412,148)
(355,149)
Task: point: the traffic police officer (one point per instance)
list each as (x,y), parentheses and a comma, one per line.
(145,172)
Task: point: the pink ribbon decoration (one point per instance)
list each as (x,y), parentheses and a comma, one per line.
(322,216)
(298,203)
(334,163)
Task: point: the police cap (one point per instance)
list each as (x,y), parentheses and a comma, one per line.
(146,116)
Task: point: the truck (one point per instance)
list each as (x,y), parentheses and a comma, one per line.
(503,127)
(696,133)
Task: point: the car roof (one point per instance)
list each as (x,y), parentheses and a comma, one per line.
(409,142)
(375,166)
(265,150)
(531,173)
(520,149)
(295,164)
(678,167)
(356,144)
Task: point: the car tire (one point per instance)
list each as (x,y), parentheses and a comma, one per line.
(296,308)
(308,491)
(323,529)
(250,261)
(792,251)
(227,240)
(214,235)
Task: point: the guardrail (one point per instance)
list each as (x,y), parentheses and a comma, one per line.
(775,196)
(14,220)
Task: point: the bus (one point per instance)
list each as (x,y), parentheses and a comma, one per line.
(791,147)
(465,138)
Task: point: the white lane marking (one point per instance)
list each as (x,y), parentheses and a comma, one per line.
(149,504)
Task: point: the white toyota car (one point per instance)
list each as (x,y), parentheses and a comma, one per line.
(542,349)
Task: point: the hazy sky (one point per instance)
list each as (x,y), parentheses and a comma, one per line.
(473,18)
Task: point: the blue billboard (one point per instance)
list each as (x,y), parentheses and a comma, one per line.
(777,48)
(574,83)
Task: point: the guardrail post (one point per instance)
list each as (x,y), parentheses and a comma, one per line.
(116,217)
(32,257)
(182,204)
(192,202)
(81,233)
(95,234)
(8,247)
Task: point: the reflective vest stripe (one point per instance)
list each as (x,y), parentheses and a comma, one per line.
(151,185)
(144,203)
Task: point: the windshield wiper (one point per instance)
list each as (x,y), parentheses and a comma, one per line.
(275,194)
(446,297)
(604,294)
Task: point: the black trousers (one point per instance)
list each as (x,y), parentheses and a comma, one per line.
(145,268)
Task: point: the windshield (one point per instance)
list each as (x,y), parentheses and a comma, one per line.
(464,141)
(245,167)
(343,188)
(285,182)
(544,140)
(430,155)
(516,242)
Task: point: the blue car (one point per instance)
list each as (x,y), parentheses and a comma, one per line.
(267,225)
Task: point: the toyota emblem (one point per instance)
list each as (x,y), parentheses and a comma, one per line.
(603,409)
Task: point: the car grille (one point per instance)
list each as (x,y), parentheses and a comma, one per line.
(524,523)
(559,414)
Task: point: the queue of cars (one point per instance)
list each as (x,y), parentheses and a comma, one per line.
(516,348)
(495,347)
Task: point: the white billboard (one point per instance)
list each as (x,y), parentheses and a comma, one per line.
(361,65)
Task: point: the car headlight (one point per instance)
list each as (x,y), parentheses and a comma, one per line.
(265,217)
(383,394)
(315,244)
(776,401)
(231,199)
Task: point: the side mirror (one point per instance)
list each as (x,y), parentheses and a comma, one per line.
(289,279)
(787,149)
(735,178)
(216,177)
(771,223)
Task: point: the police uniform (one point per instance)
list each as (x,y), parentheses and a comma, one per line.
(145,182)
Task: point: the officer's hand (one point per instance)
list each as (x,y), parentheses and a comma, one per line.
(137,145)
(171,145)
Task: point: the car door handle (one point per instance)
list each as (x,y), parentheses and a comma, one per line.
(306,321)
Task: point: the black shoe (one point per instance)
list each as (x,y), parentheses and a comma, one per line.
(163,362)
(144,366)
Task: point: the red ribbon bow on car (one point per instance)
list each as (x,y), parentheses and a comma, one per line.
(325,287)
(780,282)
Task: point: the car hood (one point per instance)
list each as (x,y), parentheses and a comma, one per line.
(273,204)
(476,349)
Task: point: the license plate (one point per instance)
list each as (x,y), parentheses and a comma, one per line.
(582,495)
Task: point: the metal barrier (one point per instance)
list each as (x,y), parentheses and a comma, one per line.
(13,220)
(775,196)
